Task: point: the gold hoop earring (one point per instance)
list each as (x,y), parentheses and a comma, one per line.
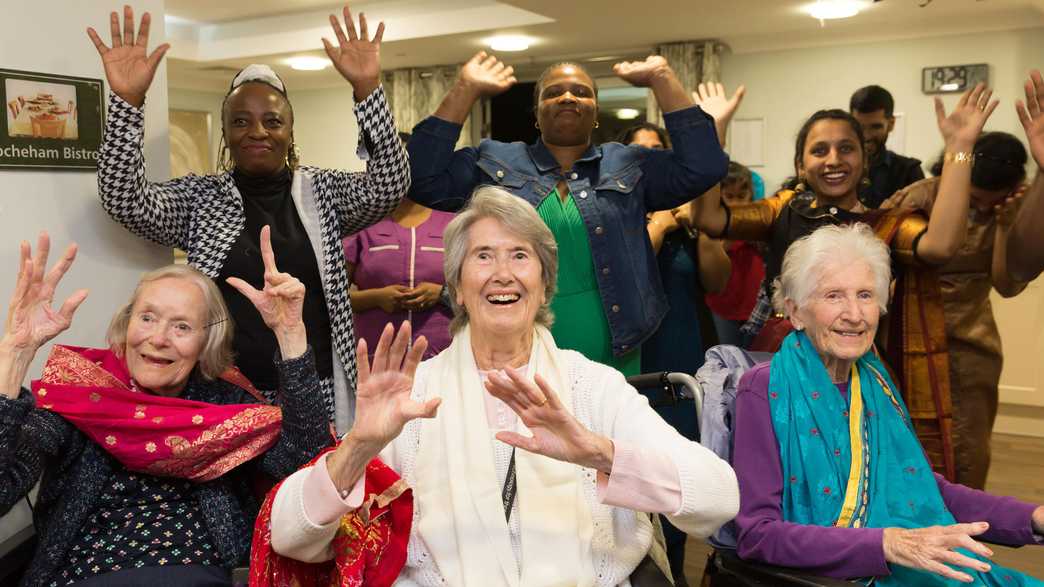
(596,124)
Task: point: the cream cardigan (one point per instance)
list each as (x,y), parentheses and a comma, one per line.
(606,404)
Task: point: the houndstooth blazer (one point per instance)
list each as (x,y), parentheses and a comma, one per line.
(203,215)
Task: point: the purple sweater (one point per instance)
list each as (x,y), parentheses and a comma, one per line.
(833,552)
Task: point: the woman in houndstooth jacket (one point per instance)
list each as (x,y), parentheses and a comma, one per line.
(216,218)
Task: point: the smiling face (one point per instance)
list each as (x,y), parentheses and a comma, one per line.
(165,334)
(841,315)
(567,106)
(258,127)
(501,284)
(832,161)
(876,128)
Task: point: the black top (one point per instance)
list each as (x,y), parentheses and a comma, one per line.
(267,200)
(801,217)
(140,521)
(889,173)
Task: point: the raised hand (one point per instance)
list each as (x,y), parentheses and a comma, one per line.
(1031,115)
(31,321)
(932,548)
(556,433)
(711,97)
(486,75)
(128,68)
(642,73)
(962,127)
(382,399)
(280,301)
(357,57)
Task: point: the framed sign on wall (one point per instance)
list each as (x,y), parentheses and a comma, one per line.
(50,121)
(945,79)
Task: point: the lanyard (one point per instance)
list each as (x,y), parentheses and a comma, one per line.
(510,488)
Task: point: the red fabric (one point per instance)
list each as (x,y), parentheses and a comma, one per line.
(737,300)
(164,436)
(771,335)
(370,546)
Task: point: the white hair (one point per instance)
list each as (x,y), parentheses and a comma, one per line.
(830,247)
(518,217)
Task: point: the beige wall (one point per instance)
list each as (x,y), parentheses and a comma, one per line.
(784,87)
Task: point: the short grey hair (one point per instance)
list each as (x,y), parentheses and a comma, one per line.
(217,355)
(518,217)
(828,247)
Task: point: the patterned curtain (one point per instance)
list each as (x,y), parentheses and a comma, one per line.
(414,94)
(693,62)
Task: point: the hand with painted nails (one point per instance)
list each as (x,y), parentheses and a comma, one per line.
(129,68)
(556,432)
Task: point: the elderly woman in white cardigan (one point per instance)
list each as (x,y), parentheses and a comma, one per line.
(527,462)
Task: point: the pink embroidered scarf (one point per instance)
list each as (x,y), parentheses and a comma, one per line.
(164,436)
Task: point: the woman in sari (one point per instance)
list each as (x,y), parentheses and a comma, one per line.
(832,477)
(830,162)
(146,451)
(526,464)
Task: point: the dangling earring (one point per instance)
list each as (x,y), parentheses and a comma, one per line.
(596,124)
(224,158)
(536,125)
(800,187)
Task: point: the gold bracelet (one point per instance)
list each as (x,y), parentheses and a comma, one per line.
(959,157)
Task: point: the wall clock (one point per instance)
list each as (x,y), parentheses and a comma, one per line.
(945,79)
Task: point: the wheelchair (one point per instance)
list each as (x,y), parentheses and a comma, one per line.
(724,567)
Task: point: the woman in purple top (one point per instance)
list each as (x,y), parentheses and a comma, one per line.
(832,478)
(396,266)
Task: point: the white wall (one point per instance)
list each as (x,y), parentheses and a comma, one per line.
(65,203)
(325,129)
(785,87)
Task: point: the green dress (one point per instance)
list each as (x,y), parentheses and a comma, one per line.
(580,322)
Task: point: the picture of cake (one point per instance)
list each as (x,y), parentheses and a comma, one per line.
(41,110)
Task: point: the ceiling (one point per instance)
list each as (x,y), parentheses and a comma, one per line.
(211,40)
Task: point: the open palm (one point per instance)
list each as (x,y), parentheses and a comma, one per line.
(129,69)
(382,399)
(31,321)
(1031,115)
(356,56)
(487,75)
(965,123)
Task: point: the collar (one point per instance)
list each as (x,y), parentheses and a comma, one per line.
(546,162)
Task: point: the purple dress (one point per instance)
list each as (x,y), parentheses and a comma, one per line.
(388,253)
(834,552)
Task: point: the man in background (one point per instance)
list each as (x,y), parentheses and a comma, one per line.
(889,172)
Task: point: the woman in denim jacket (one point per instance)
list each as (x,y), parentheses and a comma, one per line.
(593,197)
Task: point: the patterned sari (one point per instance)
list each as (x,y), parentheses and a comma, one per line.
(369,547)
(157,435)
(855,462)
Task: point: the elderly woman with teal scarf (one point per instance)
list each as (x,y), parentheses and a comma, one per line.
(832,477)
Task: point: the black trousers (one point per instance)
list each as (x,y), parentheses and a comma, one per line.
(169,576)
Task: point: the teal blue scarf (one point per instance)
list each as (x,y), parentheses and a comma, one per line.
(886,483)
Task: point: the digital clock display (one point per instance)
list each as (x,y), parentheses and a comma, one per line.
(945,79)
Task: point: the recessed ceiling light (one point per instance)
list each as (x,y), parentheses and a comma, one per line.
(627,113)
(508,43)
(833,9)
(307,63)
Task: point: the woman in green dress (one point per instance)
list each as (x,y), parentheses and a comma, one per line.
(593,197)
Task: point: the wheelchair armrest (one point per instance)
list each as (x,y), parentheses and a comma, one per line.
(753,573)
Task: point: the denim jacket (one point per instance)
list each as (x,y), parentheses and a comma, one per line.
(613,185)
